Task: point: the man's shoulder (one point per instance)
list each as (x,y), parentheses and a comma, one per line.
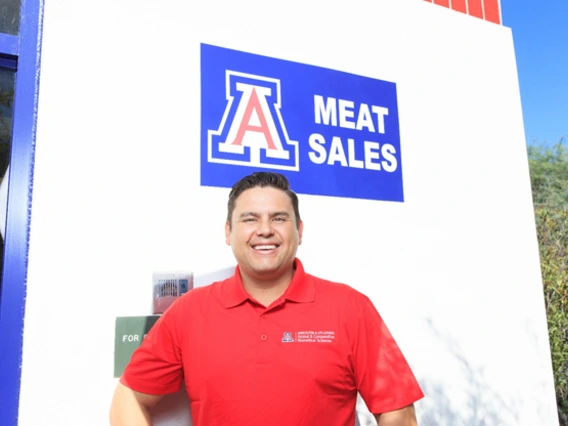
(201,295)
(337,290)
(333,288)
(206,291)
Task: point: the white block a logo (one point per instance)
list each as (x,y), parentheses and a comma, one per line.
(252,132)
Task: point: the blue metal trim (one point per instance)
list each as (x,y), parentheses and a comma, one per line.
(8,44)
(8,62)
(12,299)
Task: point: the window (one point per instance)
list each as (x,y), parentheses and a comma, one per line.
(20,42)
(7,83)
(10,16)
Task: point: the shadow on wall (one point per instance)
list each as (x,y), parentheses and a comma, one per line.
(471,402)
(173,410)
(364,416)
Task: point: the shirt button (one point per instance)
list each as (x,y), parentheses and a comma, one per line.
(263,337)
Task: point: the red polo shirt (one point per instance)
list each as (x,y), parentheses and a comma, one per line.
(299,361)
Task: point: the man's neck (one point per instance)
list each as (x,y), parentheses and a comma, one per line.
(266,290)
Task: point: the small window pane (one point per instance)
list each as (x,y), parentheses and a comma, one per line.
(7,79)
(10,16)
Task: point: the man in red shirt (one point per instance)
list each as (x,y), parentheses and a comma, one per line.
(271,345)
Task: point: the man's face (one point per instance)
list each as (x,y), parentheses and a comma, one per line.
(264,235)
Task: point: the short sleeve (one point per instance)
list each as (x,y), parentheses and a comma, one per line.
(382,374)
(156,366)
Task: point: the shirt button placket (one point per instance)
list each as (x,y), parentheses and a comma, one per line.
(264,339)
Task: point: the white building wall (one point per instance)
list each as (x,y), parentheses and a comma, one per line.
(454,270)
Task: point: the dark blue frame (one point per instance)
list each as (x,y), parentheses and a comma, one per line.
(24,50)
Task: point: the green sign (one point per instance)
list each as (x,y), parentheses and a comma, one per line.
(129,333)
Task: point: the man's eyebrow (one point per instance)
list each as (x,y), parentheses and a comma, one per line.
(255,214)
(280,214)
(245,214)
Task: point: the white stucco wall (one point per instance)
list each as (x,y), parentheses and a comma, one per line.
(454,270)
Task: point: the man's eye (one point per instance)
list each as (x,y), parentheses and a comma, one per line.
(249,219)
(279,219)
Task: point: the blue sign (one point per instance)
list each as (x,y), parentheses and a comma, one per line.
(329,132)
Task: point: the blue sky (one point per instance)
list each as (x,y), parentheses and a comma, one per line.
(540,34)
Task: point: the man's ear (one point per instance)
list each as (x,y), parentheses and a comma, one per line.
(300,232)
(227,233)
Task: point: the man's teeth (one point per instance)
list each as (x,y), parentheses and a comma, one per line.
(265,247)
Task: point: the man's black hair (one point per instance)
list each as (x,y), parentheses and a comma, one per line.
(262,180)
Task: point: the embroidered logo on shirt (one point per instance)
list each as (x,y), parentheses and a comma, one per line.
(287,337)
(315,336)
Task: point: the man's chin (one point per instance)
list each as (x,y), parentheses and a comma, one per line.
(267,269)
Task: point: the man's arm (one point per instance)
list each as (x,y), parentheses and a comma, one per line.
(403,417)
(131,408)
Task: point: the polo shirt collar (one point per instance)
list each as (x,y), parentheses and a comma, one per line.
(300,290)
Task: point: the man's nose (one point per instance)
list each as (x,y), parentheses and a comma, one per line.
(264,227)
